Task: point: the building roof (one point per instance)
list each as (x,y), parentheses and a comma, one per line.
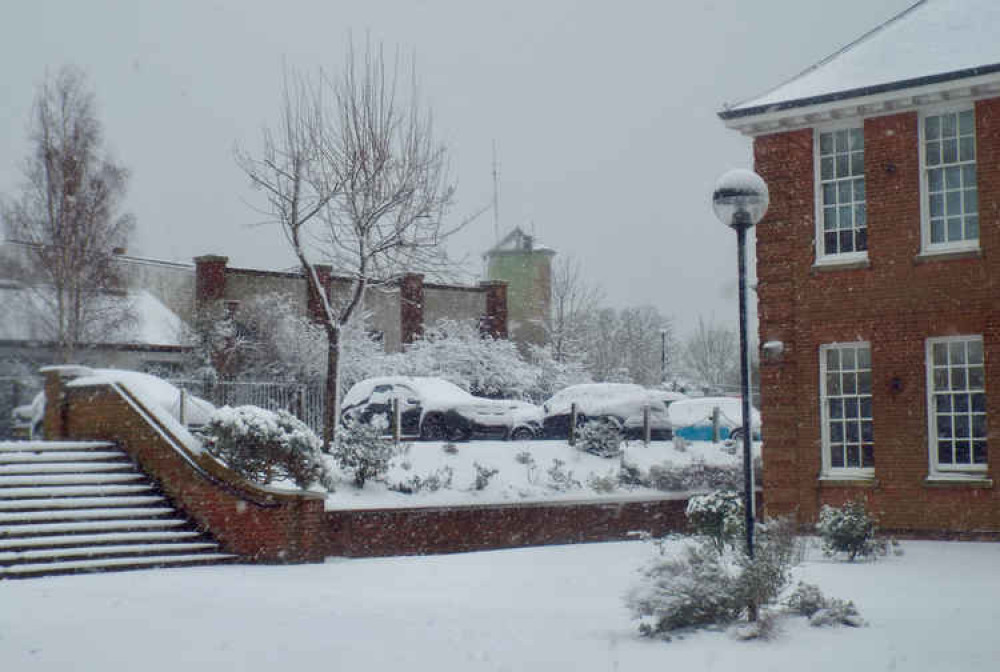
(155,324)
(930,43)
(518,241)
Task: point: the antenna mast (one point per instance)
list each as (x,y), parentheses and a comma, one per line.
(496,195)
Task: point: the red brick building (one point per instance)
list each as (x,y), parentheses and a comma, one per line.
(878,270)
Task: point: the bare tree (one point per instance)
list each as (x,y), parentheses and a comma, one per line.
(712,354)
(67,219)
(574,301)
(355,178)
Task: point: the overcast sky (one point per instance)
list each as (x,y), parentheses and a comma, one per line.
(603,114)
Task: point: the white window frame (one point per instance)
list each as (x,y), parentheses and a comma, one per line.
(823,259)
(926,246)
(936,469)
(828,470)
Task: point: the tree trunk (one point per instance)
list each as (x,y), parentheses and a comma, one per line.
(330,396)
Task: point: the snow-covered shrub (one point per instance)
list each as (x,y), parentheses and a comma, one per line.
(693,590)
(694,476)
(704,587)
(439,479)
(630,475)
(848,529)
(265,445)
(600,438)
(450,449)
(603,484)
(718,516)
(837,612)
(560,479)
(361,449)
(806,599)
(483,475)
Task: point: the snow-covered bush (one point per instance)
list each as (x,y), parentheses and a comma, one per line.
(808,600)
(600,438)
(524,457)
(265,445)
(704,587)
(439,479)
(361,449)
(483,475)
(561,479)
(603,484)
(694,590)
(848,529)
(694,476)
(718,516)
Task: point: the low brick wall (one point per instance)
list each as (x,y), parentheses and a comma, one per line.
(254,522)
(419,531)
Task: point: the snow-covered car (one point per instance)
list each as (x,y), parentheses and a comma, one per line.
(621,404)
(692,418)
(435,409)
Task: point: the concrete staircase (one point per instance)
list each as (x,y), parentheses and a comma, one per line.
(68,507)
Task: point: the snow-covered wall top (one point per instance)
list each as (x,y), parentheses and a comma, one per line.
(934,37)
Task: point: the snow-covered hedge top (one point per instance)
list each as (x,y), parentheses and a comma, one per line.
(698,411)
(622,399)
(158,396)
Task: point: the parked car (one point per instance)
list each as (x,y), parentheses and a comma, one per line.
(435,409)
(692,418)
(621,404)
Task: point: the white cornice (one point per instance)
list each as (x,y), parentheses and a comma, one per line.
(889,102)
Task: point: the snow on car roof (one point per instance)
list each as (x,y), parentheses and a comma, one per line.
(602,399)
(698,411)
(434,392)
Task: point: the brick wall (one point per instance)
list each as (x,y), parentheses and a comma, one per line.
(897,301)
(457,529)
(256,523)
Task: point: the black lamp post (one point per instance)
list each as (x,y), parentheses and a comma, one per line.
(740,201)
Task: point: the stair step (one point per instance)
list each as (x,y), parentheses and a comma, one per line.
(62,456)
(27,530)
(40,569)
(11,544)
(72,491)
(7,481)
(25,468)
(69,503)
(140,549)
(50,446)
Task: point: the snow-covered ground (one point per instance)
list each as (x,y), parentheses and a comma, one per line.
(550,609)
(517,478)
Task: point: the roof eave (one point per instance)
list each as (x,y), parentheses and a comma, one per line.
(971,83)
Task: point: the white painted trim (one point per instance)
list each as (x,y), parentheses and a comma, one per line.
(827,471)
(821,259)
(934,470)
(926,248)
(892,102)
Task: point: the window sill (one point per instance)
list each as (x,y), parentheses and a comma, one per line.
(958,480)
(833,264)
(848,481)
(947,255)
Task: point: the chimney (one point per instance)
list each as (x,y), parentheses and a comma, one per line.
(210,279)
(494,321)
(314,303)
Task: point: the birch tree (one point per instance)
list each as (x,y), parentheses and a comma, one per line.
(354,177)
(67,220)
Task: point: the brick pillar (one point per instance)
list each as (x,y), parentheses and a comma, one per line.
(411,307)
(494,321)
(314,303)
(210,279)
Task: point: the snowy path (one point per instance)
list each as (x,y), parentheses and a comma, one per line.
(550,609)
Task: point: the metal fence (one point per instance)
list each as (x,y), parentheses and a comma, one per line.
(303,401)
(15,391)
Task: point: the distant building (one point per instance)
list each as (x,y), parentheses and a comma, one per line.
(526,267)
(877,264)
